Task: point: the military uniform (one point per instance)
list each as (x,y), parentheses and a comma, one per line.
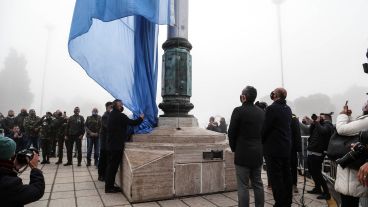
(74,132)
(93,125)
(32,127)
(59,125)
(46,135)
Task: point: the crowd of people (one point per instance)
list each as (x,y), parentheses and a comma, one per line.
(106,136)
(259,133)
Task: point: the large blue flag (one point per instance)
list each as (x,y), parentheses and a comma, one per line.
(115,42)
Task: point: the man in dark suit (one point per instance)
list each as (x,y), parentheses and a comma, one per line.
(116,137)
(245,140)
(276,139)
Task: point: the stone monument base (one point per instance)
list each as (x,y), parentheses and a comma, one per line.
(176,159)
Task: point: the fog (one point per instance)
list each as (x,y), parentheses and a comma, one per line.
(235,43)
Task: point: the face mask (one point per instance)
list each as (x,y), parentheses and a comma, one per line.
(272,95)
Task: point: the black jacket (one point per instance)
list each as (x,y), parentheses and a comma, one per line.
(12,190)
(103,130)
(320,134)
(276,132)
(117,129)
(245,135)
(296,138)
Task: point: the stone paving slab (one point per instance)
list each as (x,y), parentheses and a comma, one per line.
(68,186)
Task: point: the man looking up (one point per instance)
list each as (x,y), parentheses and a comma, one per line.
(245,140)
(276,138)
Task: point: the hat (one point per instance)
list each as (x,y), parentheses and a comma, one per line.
(365,106)
(327,114)
(7,148)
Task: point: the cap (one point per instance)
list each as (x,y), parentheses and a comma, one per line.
(7,148)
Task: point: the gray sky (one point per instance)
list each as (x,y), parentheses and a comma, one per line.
(235,43)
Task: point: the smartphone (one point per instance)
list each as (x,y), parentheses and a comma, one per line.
(346,103)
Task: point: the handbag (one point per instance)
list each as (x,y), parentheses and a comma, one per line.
(340,145)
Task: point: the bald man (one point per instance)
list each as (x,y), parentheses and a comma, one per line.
(276,139)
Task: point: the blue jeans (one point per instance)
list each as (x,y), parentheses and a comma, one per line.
(35,141)
(243,175)
(93,143)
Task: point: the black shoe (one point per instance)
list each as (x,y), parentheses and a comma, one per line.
(79,164)
(101,178)
(58,162)
(117,189)
(324,196)
(110,191)
(67,164)
(314,191)
(44,162)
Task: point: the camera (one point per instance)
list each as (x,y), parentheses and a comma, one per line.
(314,117)
(22,155)
(359,152)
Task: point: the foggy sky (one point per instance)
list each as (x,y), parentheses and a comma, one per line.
(235,43)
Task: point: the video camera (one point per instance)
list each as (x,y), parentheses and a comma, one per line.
(22,155)
(365,65)
(359,151)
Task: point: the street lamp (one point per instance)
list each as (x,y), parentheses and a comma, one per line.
(278,13)
(49,29)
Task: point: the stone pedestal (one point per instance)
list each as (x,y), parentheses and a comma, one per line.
(176,161)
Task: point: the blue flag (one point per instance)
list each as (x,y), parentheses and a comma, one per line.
(115,42)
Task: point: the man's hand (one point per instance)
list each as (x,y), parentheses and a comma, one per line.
(142,116)
(363,173)
(346,110)
(34,162)
(81,136)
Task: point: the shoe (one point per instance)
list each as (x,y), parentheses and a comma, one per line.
(295,189)
(314,191)
(58,162)
(101,178)
(110,190)
(117,189)
(79,164)
(67,164)
(324,196)
(47,162)
(88,163)
(43,162)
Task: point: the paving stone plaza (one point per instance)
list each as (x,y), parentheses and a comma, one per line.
(68,186)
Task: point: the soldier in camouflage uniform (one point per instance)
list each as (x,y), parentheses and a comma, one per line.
(74,133)
(59,124)
(46,133)
(93,125)
(32,125)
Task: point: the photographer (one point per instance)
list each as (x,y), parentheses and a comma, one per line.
(321,130)
(347,183)
(12,190)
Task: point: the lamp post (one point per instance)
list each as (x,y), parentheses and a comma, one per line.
(49,29)
(278,13)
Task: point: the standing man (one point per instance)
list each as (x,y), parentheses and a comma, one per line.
(19,121)
(46,136)
(296,147)
(276,138)
(32,127)
(74,133)
(8,123)
(116,137)
(59,124)
(321,129)
(93,125)
(246,141)
(102,162)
